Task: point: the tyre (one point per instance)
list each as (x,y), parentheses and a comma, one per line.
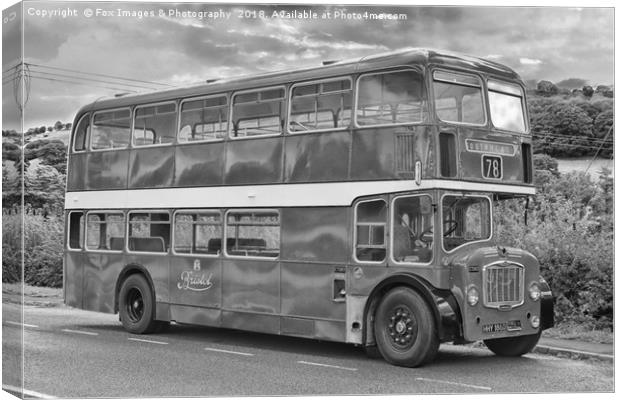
(405,328)
(137,305)
(513,346)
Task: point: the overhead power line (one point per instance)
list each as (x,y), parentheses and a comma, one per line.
(82,83)
(100,75)
(77,78)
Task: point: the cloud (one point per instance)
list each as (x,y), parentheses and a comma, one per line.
(539,43)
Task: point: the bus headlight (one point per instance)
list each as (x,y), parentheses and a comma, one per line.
(534,291)
(535,321)
(472,296)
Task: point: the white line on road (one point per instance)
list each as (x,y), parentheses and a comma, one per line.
(80,332)
(454,383)
(26,392)
(146,341)
(229,352)
(20,324)
(326,365)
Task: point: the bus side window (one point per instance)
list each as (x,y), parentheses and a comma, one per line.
(204,119)
(197,233)
(370,229)
(76,230)
(154,124)
(80,139)
(149,232)
(105,231)
(253,234)
(317,106)
(258,113)
(110,129)
(390,98)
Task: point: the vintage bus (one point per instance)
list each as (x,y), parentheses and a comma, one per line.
(349,202)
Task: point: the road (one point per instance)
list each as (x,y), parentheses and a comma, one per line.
(74,353)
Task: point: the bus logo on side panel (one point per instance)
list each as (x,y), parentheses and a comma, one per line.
(195,280)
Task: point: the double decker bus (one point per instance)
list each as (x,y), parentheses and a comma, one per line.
(351,202)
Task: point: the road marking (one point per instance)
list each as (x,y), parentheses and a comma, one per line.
(326,365)
(21,324)
(146,341)
(80,332)
(229,352)
(26,392)
(454,383)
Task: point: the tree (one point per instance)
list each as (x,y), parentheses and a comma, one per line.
(604,128)
(587,91)
(41,129)
(49,128)
(44,186)
(546,88)
(563,130)
(58,125)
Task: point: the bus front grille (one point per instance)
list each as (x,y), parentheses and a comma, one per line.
(503,285)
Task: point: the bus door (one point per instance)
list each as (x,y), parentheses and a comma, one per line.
(196,268)
(251,271)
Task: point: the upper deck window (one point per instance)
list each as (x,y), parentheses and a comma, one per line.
(458,98)
(110,129)
(506,104)
(80,137)
(320,106)
(154,124)
(390,98)
(258,113)
(204,119)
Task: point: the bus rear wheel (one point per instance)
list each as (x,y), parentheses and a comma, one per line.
(137,305)
(405,329)
(513,346)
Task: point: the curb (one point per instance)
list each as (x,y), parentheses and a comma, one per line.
(570,353)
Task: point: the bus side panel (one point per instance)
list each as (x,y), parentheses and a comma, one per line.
(199,164)
(75,173)
(392,153)
(100,273)
(74,275)
(308,291)
(157,266)
(195,290)
(372,156)
(151,167)
(107,170)
(253,161)
(315,234)
(251,285)
(317,157)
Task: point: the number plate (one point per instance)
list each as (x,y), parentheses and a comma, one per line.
(514,325)
(491,167)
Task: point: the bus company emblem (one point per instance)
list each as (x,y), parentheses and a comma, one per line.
(195,280)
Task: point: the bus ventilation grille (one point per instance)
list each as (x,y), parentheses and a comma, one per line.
(405,155)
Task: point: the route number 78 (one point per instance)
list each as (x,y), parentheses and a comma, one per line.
(491,167)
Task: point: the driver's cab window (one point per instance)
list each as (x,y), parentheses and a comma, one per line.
(412,229)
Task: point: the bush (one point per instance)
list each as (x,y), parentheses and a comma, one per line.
(570,232)
(43,244)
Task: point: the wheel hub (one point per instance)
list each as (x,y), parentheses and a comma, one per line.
(402,328)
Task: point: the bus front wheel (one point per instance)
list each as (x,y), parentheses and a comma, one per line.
(513,346)
(405,328)
(137,306)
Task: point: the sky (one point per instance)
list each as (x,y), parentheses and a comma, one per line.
(74,49)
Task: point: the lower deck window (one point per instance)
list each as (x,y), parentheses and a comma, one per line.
(105,231)
(253,234)
(76,230)
(198,233)
(149,232)
(371,218)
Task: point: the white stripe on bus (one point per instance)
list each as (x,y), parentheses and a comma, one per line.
(282,195)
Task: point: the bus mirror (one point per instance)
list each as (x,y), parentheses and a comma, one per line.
(425,205)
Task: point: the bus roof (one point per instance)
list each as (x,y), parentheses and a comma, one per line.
(406,57)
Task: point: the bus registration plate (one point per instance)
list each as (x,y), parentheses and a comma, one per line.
(502,326)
